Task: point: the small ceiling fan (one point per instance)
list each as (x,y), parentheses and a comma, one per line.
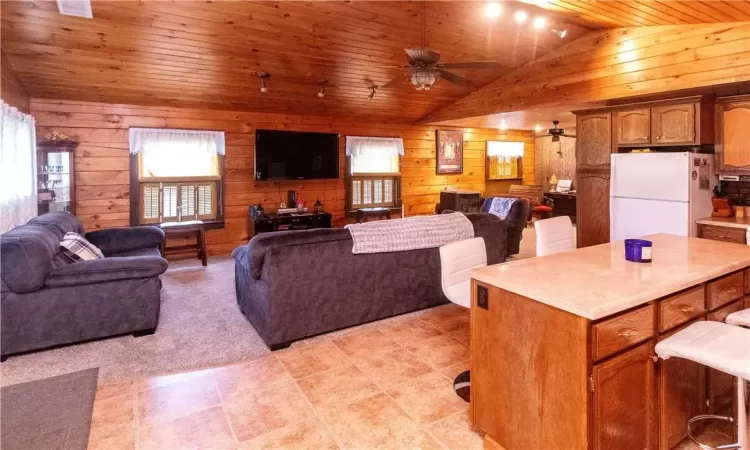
(424,67)
(557,132)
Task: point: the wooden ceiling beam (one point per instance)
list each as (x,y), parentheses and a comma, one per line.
(643,67)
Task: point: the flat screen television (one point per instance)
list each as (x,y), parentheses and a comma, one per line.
(295,155)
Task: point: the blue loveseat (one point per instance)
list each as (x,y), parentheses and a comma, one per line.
(46,302)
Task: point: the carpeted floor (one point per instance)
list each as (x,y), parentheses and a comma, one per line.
(200,326)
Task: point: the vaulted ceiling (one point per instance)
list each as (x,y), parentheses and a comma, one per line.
(207,54)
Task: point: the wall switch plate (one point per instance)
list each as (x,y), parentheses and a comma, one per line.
(483,297)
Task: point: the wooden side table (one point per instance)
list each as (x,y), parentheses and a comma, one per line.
(185,229)
(364,213)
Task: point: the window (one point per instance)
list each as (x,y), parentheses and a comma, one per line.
(373,175)
(178,175)
(18,183)
(504,160)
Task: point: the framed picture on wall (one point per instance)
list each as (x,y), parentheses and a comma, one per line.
(450,151)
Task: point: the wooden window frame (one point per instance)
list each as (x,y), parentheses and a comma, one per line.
(351,209)
(136,194)
(520,170)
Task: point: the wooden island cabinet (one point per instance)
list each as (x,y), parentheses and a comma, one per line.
(570,364)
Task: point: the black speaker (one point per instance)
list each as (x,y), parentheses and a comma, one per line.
(291,199)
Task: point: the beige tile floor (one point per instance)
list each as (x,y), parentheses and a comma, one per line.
(383,387)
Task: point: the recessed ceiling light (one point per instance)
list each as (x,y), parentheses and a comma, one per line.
(538,128)
(520,16)
(492,10)
(503,125)
(540,23)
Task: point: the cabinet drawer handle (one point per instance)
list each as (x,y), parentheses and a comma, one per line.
(686,308)
(731,290)
(628,332)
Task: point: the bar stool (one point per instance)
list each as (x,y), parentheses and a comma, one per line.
(722,347)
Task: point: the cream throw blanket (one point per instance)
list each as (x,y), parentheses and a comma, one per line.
(410,233)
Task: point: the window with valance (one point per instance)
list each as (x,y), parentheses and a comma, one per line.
(504,160)
(177,175)
(374,172)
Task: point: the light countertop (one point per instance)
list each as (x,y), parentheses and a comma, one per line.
(595,282)
(734,222)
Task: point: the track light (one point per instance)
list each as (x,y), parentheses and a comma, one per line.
(520,16)
(539,23)
(373,90)
(560,33)
(322,84)
(263,76)
(503,125)
(492,10)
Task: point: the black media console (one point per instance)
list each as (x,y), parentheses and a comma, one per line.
(288,222)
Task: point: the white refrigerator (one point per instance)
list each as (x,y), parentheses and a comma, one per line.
(659,193)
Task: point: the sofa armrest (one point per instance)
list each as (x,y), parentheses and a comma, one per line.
(107,269)
(115,240)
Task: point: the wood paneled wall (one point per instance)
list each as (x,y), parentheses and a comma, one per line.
(11,90)
(102,174)
(558,158)
(616,64)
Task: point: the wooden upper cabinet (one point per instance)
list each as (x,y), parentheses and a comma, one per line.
(674,124)
(624,401)
(733,135)
(594,142)
(632,127)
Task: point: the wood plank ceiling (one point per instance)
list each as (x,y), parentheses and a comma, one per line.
(207,54)
(649,12)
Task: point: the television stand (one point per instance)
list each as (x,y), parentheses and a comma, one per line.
(291,222)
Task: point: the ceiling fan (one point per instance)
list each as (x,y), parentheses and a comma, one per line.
(424,67)
(557,132)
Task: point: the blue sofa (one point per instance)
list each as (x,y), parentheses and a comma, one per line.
(47,302)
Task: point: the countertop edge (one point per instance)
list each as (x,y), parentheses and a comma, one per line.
(606,310)
(717,223)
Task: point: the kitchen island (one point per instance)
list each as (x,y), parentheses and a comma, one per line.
(562,346)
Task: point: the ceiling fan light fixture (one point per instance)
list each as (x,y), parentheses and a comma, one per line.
(492,10)
(264,76)
(423,79)
(555,138)
(520,16)
(539,23)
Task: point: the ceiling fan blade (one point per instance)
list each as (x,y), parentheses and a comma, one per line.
(569,135)
(471,65)
(453,78)
(424,56)
(394,82)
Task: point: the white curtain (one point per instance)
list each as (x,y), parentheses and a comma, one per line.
(374,154)
(18,202)
(177,153)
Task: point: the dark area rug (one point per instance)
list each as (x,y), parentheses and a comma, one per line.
(53,413)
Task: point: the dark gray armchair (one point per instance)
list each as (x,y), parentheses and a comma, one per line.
(47,302)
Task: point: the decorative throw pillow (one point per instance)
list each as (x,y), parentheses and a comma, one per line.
(75,247)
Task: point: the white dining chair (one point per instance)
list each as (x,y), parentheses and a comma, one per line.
(554,235)
(739,318)
(456,262)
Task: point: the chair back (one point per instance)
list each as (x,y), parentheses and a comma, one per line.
(456,262)
(554,235)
